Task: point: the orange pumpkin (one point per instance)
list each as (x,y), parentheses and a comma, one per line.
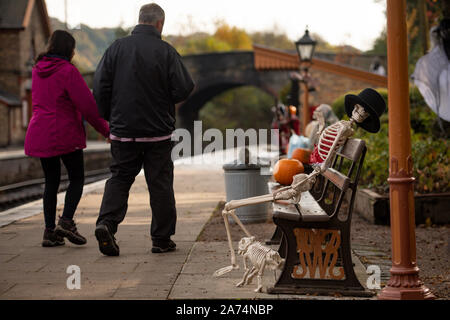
(301,155)
(285,170)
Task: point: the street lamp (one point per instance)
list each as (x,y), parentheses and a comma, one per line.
(305,49)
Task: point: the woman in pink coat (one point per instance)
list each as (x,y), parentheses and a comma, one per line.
(61,99)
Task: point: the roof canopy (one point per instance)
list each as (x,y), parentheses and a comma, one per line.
(272,59)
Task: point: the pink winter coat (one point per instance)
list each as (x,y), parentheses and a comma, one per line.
(60,98)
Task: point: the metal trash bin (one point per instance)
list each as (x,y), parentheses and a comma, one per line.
(243,180)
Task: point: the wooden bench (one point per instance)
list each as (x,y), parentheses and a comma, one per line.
(315,234)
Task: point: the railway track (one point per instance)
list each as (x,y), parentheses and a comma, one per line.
(20,193)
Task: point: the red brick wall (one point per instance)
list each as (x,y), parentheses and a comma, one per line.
(331,86)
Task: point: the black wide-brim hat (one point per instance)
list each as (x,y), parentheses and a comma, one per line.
(372,102)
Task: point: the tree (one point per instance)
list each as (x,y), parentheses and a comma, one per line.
(421,16)
(323,45)
(237,38)
(272,39)
(121,32)
(380,45)
(225,38)
(244,107)
(203,45)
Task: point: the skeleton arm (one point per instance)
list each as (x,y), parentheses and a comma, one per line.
(301,183)
(279,194)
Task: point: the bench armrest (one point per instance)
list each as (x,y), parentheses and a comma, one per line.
(338,179)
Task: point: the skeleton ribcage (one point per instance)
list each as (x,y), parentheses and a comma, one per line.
(328,137)
(257,253)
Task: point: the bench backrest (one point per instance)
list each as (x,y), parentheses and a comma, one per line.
(332,186)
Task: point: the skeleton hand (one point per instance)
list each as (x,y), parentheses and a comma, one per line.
(286,194)
(301,183)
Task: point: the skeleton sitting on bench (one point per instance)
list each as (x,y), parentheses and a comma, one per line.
(331,138)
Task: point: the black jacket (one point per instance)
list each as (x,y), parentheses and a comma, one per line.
(138,82)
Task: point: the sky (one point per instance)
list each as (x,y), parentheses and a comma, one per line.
(354,22)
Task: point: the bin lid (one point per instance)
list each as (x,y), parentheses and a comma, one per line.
(243,162)
(237,165)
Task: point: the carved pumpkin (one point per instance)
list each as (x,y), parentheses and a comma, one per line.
(285,170)
(301,155)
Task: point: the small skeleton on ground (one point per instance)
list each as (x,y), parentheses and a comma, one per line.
(261,257)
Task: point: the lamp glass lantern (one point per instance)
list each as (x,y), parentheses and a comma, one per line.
(305,47)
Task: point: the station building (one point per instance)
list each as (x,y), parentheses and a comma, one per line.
(24,31)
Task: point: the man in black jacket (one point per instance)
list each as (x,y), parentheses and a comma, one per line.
(137,84)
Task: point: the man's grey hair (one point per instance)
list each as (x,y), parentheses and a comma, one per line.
(151,13)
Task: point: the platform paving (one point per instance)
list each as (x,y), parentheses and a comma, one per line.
(28,271)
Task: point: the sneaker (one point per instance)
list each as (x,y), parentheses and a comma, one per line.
(51,239)
(68,229)
(106,241)
(161,247)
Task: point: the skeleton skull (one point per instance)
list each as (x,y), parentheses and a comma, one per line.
(359,114)
(244,243)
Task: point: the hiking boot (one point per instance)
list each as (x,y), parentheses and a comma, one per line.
(163,246)
(51,239)
(68,229)
(106,241)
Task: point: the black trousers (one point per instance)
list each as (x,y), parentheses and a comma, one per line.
(52,170)
(127,161)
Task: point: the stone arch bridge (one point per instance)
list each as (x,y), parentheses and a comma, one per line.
(215,73)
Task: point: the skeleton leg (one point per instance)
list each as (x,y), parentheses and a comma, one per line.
(252,271)
(229,211)
(233,266)
(235,217)
(252,275)
(260,274)
(247,271)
